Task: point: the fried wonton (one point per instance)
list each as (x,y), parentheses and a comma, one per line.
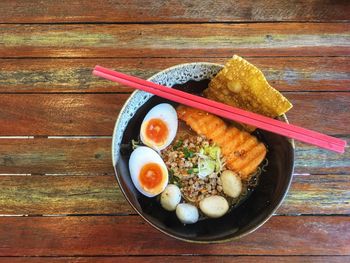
(241,84)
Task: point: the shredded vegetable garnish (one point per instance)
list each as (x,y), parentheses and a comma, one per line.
(135,144)
(196,163)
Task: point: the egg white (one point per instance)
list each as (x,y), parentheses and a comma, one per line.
(168,115)
(141,156)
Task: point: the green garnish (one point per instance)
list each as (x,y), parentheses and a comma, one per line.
(177,145)
(209,160)
(192,170)
(206,167)
(173,179)
(212,151)
(176,180)
(188,153)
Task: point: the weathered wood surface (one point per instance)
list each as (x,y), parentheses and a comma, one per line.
(61,195)
(47,51)
(95,114)
(92,156)
(78,195)
(56,156)
(59,114)
(182,258)
(317,194)
(74,75)
(175,40)
(130,235)
(171,11)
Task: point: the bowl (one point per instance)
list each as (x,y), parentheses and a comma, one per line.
(243,219)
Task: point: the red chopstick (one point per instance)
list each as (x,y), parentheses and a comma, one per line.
(220,105)
(225,111)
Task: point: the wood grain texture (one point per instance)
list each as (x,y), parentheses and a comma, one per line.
(59,114)
(92,156)
(175,40)
(85,195)
(312,160)
(317,194)
(61,195)
(56,156)
(172,11)
(95,114)
(74,75)
(125,235)
(50,47)
(183,258)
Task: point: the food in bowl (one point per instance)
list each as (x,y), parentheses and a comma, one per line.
(210,165)
(243,85)
(148,171)
(210,162)
(242,151)
(258,204)
(158,128)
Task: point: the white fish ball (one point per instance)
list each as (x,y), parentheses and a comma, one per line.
(214,206)
(170,197)
(187,213)
(231,183)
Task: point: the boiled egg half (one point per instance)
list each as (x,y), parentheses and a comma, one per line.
(148,171)
(159,127)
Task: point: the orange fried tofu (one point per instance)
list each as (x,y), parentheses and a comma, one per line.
(243,151)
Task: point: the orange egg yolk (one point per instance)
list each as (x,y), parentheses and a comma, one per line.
(151,175)
(157,130)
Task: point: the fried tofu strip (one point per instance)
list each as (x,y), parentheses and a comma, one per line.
(243,151)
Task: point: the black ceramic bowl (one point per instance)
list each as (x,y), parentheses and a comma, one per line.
(250,214)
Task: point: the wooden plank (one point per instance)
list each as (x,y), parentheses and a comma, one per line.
(171,11)
(313,160)
(130,235)
(76,195)
(317,194)
(92,156)
(61,195)
(310,109)
(175,40)
(95,114)
(74,75)
(183,258)
(59,114)
(56,156)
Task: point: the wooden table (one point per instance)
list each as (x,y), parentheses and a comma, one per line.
(59,199)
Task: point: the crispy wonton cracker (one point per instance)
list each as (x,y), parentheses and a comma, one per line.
(242,85)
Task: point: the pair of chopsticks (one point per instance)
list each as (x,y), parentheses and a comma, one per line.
(225,111)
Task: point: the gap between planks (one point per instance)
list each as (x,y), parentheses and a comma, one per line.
(135,214)
(345,21)
(183,258)
(179,57)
